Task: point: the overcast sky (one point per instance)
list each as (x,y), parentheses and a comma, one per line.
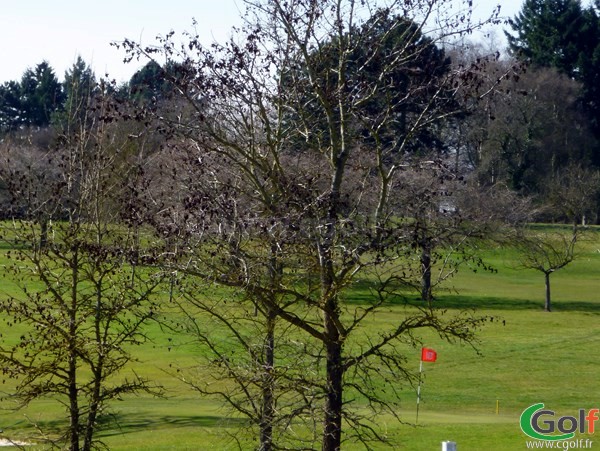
(57,31)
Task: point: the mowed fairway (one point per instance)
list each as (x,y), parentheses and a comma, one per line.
(523,357)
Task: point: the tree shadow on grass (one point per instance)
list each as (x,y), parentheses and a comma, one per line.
(497,303)
(118,424)
(363,294)
(15,245)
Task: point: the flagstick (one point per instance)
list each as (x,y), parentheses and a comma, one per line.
(419,391)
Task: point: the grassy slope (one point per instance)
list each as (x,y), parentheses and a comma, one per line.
(526,356)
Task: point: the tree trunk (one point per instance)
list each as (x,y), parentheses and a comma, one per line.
(426,270)
(93,414)
(98,373)
(332,419)
(268,399)
(43,233)
(74,426)
(268,381)
(547,304)
(73,403)
(332,423)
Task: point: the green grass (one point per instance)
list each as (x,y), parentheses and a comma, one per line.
(524,356)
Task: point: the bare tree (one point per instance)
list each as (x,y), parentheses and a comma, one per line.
(574,193)
(257,365)
(91,304)
(289,198)
(214,235)
(448,217)
(28,174)
(548,252)
(526,137)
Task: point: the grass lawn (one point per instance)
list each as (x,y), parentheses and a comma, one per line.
(524,356)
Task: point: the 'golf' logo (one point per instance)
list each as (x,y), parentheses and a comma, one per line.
(540,423)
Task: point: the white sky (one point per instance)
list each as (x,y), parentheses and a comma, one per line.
(59,30)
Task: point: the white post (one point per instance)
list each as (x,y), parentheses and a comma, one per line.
(448,446)
(419,391)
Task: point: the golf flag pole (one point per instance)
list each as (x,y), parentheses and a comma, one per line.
(419,391)
(427,355)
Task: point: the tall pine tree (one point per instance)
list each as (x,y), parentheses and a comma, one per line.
(589,63)
(79,87)
(563,35)
(11,110)
(548,34)
(41,94)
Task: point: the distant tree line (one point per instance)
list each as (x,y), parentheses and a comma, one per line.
(538,133)
(40,100)
(564,35)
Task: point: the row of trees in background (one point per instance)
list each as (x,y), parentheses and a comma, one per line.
(331,145)
(39,100)
(557,128)
(564,35)
(538,134)
(72,329)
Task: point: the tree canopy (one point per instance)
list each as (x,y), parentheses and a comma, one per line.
(564,35)
(386,111)
(549,33)
(41,94)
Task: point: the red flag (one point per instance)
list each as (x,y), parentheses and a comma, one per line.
(428,355)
